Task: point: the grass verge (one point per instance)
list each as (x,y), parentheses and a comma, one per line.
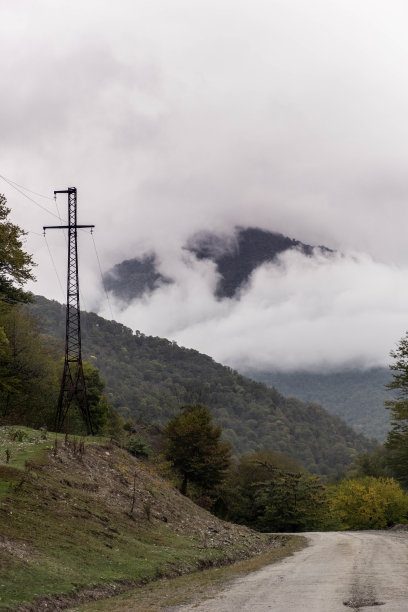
(190,588)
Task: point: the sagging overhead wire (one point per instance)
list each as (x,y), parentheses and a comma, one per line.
(40,195)
(55,267)
(100,271)
(21,189)
(17,188)
(103,282)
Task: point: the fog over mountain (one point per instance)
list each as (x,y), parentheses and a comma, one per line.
(236,257)
(259,300)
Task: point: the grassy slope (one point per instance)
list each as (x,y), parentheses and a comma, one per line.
(66,532)
(190,588)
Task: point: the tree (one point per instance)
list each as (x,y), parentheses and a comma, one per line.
(369,503)
(397,440)
(97,402)
(6,385)
(15,263)
(291,502)
(193,445)
(28,370)
(371,464)
(270,491)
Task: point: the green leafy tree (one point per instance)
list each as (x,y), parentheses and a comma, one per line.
(97,402)
(291,502)
(15,271)
(194,447)
(397,440)
(371,464)
(15,263)
(269,491)
(369,503)
(29,373)
(5,383)
(138,446)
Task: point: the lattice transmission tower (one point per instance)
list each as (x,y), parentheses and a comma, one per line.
(73,386)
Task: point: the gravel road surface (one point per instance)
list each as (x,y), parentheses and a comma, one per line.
(338,571)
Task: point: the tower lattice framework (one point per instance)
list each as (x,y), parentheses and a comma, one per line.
(73,386)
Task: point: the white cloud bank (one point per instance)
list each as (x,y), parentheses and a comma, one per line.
(318,314)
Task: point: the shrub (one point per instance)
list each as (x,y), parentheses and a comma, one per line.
(138,447)
(369,503)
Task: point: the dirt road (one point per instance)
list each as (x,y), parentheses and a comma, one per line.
(338,571)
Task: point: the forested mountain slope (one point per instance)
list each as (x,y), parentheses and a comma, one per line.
(150,378)
(357,396)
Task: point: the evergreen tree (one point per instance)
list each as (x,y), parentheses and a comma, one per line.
(269,491)
(98,405)
(194,447)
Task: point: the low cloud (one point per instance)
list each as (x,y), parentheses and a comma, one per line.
(319,314)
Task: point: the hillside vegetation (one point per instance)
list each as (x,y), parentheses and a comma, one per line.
(81,521)
(149,379)
(356,396)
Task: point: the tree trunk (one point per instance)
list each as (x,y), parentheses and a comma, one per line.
(183,488)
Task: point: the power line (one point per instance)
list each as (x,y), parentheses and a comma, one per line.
(28,197)
(19,188)
(103,282)
(54,266)
(40,195)
(58,211)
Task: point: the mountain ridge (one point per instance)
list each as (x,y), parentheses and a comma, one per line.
(236,256)
(357,396)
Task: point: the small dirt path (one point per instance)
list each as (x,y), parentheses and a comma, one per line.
(338,571)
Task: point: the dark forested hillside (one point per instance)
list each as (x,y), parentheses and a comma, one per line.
(251,248)
(133,277)
(151,378)
(357,396)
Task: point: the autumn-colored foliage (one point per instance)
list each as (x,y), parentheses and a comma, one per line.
(369,503)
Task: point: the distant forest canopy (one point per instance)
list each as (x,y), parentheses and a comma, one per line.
(149,379)
(356,396)
(236,256)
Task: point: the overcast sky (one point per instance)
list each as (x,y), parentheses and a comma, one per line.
(172,117)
